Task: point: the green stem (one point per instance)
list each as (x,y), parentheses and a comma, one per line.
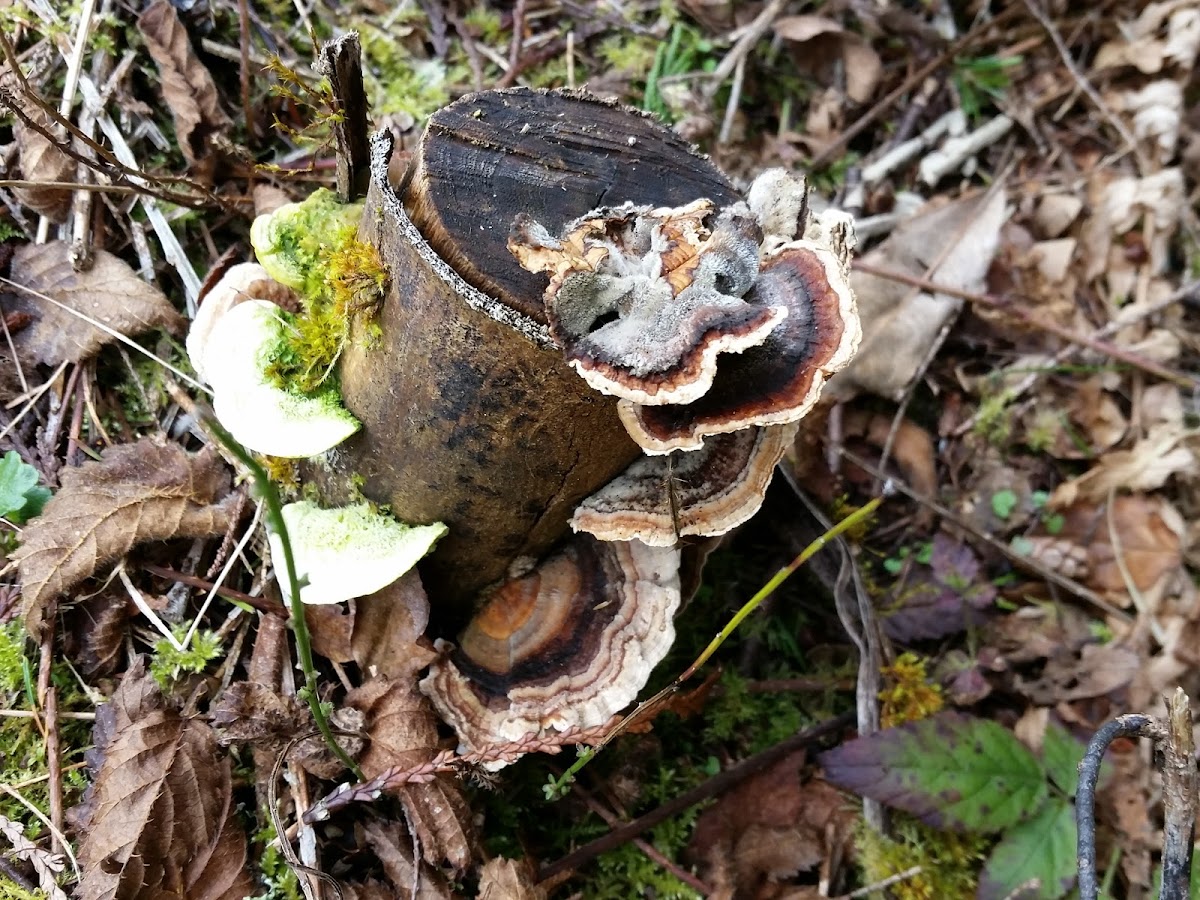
(274,507)
(654,703)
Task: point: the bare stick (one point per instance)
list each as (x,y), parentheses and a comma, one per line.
(1085,796)
(740,50)
(340,61)
(1179,799)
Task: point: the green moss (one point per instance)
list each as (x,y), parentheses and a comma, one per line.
(486,24)
(169,664)
(313,246)
(22,748)
(400,82)
(949,861)
(276,875)
(908,693)
(631,54)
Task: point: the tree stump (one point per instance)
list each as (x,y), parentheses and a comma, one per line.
(470,414)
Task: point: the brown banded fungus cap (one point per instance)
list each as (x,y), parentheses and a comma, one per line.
(565,647)
(703,321)
(642,301)
(708,492)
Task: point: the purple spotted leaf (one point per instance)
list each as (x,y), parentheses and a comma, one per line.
(941,599)
(950,771)
(1035,860)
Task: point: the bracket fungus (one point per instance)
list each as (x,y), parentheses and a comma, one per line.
(709,492)
(254,409)
(350,551)
(566,646)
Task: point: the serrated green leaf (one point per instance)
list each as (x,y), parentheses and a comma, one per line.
(1061,753)
(20,496)
(951,771)
(1042,848)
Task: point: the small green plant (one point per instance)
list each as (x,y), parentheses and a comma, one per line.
(1053,522)
(1004,503)
(277,876)
(169,663)
(21,497)
(972,776)
(994,419)
(981,81)
(686,50)
(921,553)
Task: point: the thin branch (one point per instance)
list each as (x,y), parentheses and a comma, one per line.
(1028,318)
(909,84)
(716,785)
(1179,799)
(1081,80)
(1067,584)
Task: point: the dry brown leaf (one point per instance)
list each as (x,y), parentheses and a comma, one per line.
(394,847)
(402,730)
(160,818)
(371,889)
(508,879)
(1120,204)
(824,47)
(1162,453)
(769,827)
(1150,534)
(329,626)
(1147,46)
(387,625)
(901,323)
(103,621)
(41,160)
(152,490)
(1098,671)
(110,292)
(188,87)
(911,446)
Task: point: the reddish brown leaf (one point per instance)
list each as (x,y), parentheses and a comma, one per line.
(268,721)
(109,292)
(329,626)
(402,729)
(188,87)
(149,491)
(393,845)
(160,817)
(1148,531)
(769,827)
(508,879)
(387,625)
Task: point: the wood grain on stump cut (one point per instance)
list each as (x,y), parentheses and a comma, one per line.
(470,415)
